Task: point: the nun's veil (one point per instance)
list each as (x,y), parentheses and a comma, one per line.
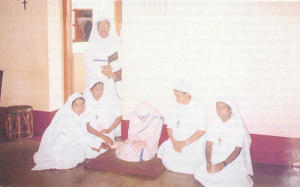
(247,139)
(64,116)
(94,33)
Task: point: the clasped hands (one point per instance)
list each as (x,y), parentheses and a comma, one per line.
(178,145)
(214,168)
(107,71)
(138,145)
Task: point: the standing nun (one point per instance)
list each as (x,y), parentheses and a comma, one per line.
(103,42)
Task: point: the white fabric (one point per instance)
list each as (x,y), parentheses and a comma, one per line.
(191,118)
(182,87)
(98,50)
(101,114)
(225,137)
(143,110)
(247,139)
(64,143)
(149,131)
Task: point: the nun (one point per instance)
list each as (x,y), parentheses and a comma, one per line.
(228,161)
(64,143)
(187,125)
(102,115)
(103,42)
(143,135)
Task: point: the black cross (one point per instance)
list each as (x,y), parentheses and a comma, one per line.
(24,4)
(178,123)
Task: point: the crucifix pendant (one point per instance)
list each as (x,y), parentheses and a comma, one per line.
(219,140)
(97,117)
(178,123)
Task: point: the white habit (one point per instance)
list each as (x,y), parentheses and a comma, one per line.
(225,137)
(185,120)
(64,143)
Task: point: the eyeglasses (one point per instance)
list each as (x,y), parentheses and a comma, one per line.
(105,25)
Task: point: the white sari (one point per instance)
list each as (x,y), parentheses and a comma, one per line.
(98,50)
(100,114)
(225,137)
(185,121)
(148,131)
(64,143)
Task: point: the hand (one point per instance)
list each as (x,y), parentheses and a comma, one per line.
(104,131)
(216,168)
(134,142)
(209,167)
(95,149)
(108,140)
(179,145)
(113,75)
(107,71)
(104,146)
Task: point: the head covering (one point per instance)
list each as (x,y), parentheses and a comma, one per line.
(94,81)
(182,87)
(94,33)
(143,110)
(247,139)
(91,83)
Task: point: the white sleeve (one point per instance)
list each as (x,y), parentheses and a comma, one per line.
(89,63)
(202,119)
(172,118)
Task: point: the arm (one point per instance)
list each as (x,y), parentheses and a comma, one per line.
(219,166)
(208,149)
(195,137)
(192,139)
(152,141)
(174,142)
(113,126)
(90,129)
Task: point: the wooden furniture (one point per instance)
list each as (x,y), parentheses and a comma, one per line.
(1,77)
(19,122)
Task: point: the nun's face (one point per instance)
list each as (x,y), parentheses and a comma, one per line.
(181,97)
(78,106)
(97,91)
(223,111)
(103,29)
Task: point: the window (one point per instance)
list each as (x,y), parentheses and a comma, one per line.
(82,24)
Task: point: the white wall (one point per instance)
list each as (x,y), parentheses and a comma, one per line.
(55,53)
(247,50)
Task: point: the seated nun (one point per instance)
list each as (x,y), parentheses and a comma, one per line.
(64,143)
(186,127)
(102,115)
(143,135)
(228,161)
